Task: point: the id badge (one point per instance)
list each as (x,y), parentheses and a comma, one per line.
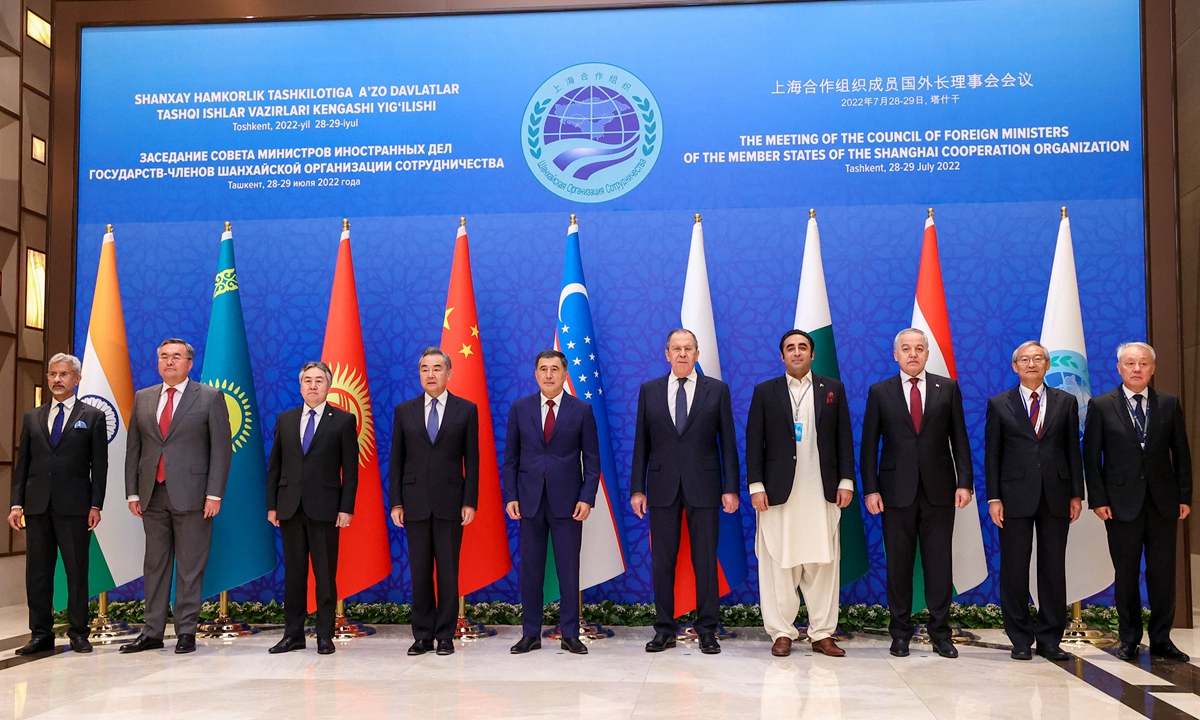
(798,428)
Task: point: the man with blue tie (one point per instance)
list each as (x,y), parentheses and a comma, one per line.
(551,476)
(312,479)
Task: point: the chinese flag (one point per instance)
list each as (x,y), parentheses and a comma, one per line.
(485,557)
(364,557)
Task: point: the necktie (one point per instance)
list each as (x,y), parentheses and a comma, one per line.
(914,405)
(681,406)
(549,427)
(56,431)
(431,425)
(1140,416)
(164,424)
(1034,407)
(309,429)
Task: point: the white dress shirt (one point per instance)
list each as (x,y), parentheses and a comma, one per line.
(441,401)
(689,389)
(906,381)
(316,418)
(1027,398)
(162,405)
(557,406)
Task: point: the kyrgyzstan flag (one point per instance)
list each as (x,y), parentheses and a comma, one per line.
(485,557)
(364,557)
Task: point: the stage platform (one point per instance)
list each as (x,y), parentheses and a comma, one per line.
(371,678)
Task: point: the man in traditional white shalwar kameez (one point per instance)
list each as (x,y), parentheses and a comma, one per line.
(800,468)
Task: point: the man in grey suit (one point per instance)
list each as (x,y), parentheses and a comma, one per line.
(176,465)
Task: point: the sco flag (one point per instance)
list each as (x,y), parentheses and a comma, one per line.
(813,317)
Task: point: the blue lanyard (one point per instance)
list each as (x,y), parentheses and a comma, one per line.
(1138,425)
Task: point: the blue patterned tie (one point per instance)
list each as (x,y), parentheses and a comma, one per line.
(1140,416)
(431,425)
(56,431)
(309,429)
(681,406)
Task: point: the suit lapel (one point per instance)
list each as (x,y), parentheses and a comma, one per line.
(1050,410)
(69,422)
(450,409)
(1121,405)
(185,403)
(559,412)
(898,396)
(784,394)
(819,394)
(1016,404)
(1153,409)
(43,421)
(322,425)
(697,400)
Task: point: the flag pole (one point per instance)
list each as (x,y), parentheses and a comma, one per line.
(469,629)
(102,628)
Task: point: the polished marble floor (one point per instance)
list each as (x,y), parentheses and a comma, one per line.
(373,678)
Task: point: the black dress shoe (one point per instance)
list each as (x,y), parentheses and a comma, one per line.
(899,647)
(143,642)
(445,647)
(1127,651)
(37,645)
(526,644)
(420,647)
(325,646)
(1168,651)
(80,645)
(287,644)
(185,644)
(1021,654)
(945,648)
(574,646)
(1053,654)
(709,644)
(661,642)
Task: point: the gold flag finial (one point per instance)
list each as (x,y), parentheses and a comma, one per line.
(345,224)
(930,212)
(573,220)
(108,227)
(812,213)
(228,226)
(1064,212)
(697,217)
(462,222)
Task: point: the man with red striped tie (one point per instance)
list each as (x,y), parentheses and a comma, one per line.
(1034,484)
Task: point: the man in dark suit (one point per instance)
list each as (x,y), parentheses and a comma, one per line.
(312,481)
(1034,483)
(434,481)
(800,468)
(58,488)
(176,464)
(684,459)
(1139,480)
(551,476)
(922,474)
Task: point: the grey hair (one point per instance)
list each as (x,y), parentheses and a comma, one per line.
(431,350)
(191,351)
(676,331)
(68,359)
(1136,346)
(318,365)
(906,331)
(1030,343)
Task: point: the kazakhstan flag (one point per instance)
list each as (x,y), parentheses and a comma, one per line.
(243,542)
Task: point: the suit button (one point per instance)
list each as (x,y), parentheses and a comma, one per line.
(793,457)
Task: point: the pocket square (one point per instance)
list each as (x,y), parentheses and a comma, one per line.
(81,425)
(829,398)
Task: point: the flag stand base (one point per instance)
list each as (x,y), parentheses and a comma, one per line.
(1079,633)
(838,634)
(958,636)
(587,631)
(344,629)
(224,627)
(469,629)
(686,632)
(102,629)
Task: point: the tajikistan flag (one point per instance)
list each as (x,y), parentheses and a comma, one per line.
(812,316)
(930,315)
(119,542)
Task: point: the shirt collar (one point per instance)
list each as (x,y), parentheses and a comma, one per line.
(1026,392)
(180,387)
(69,403)
(1129,394)
(801,383)
(557,398)
(440,398)
(320,409)
(905,377)
(691,378)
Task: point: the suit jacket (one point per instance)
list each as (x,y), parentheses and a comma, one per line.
(197,449)
(435,478)
(771,440)
(531,463)
(69,478)
(325,478)
(1120,473)
(1020,466)
(940,455)
(703,460)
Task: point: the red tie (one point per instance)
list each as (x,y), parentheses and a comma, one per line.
(549,428)
(914,404)
(164,424)
(1033,412)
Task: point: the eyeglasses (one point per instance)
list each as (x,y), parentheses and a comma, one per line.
(1027,361)
(681,349)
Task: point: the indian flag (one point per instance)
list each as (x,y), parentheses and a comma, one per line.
(930,315)
(813,317)
(119,542)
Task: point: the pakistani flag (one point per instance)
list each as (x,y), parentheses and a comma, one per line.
(812,316)
(243,542)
